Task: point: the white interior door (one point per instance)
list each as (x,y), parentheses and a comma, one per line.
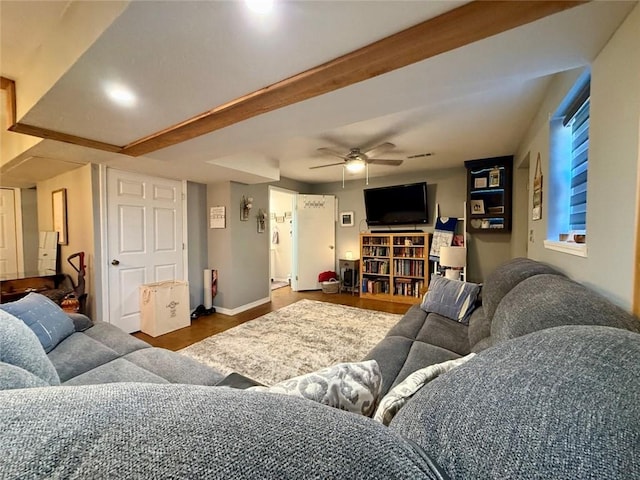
(8,228)
(145,245)
(314,239)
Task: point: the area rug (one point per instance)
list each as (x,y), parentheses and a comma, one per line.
(276,285)
(299,338)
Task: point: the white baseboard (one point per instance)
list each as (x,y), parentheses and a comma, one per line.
(242,308)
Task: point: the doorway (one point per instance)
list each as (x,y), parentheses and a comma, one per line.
(145,240)
(281,207)
(302,228)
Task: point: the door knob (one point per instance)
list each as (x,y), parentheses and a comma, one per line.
(115,262)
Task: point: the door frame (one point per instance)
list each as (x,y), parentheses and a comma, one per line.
(294,259)
(102,242)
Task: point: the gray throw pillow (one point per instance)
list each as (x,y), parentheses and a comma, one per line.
(19,346)
(451,298)
(47,320)
(12,377)
(354,387)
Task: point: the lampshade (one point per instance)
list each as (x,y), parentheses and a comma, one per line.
(455,257)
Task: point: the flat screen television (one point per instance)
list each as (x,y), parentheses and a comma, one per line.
(396,205)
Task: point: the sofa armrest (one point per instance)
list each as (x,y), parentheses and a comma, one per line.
(80,321)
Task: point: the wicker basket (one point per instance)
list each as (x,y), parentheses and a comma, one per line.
(331,286)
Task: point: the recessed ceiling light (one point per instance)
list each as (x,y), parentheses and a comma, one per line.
(259,6)
(121,95)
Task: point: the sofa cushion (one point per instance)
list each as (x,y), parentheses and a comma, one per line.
(353,387)
(78,354)
(47,320)
(560,403)
(399,395)
(118,370)
(505,277)
(410,324)
(115,338)
(442,332)
(479,326)
(546,301)
(453,299)
(19,346)
(188,431)
(16,377)
(174,367)
(398,357)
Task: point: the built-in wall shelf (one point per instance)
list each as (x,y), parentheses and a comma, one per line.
(489,191)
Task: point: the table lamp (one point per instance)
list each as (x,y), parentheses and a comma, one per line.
(453,259)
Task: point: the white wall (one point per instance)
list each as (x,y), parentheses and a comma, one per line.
(613,167)
(80,222)
(281,252)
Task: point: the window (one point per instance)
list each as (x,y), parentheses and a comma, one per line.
(569,165)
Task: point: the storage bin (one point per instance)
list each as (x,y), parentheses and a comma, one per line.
(164,307)
(331,286)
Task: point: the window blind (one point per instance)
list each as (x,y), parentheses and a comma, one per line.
(579,167)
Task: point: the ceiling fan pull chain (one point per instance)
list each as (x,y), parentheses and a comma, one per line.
(343,176)
(367,173)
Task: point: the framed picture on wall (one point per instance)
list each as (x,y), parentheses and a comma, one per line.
(346,219)
(477,207)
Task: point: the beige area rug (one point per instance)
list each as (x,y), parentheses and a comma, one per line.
(299,338)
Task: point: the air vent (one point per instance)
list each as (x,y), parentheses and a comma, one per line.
(421,155)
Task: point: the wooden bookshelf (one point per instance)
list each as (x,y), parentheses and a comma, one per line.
(394,266)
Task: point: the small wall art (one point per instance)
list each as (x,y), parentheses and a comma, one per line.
(346,219)
(536,212)
(477,207)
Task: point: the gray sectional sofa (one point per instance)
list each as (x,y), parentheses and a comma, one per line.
(551,393)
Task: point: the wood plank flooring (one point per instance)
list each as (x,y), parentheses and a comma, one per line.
(206,326)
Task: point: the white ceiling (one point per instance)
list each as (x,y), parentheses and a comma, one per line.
(184,58)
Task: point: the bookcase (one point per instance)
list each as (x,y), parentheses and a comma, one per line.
(394,266)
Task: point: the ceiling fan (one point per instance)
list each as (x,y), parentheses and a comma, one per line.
(357,160)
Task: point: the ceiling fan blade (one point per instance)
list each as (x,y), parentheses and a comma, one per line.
(328,151)
(380,161)
(330,165)
(383,147)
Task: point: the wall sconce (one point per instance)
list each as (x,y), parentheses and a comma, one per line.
(262,221)
(245,208)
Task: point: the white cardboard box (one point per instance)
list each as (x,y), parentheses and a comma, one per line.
(164,307)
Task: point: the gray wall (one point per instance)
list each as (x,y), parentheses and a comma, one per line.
(445,187)
(197,242)
(29,205)
(612,201)
(239,252)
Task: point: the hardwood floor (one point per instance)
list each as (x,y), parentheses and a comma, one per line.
(206,326)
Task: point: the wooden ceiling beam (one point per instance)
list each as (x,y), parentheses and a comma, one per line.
(9,86)
(462,26)
(459,27)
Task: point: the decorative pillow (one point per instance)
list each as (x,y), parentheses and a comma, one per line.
(451,298)
(354,387)
(47,320)
(15,377)
(401,393)
(19,346)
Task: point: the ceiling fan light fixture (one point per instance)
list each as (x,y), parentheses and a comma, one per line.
(355,165)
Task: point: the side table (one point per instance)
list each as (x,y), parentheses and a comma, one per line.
(349,275)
